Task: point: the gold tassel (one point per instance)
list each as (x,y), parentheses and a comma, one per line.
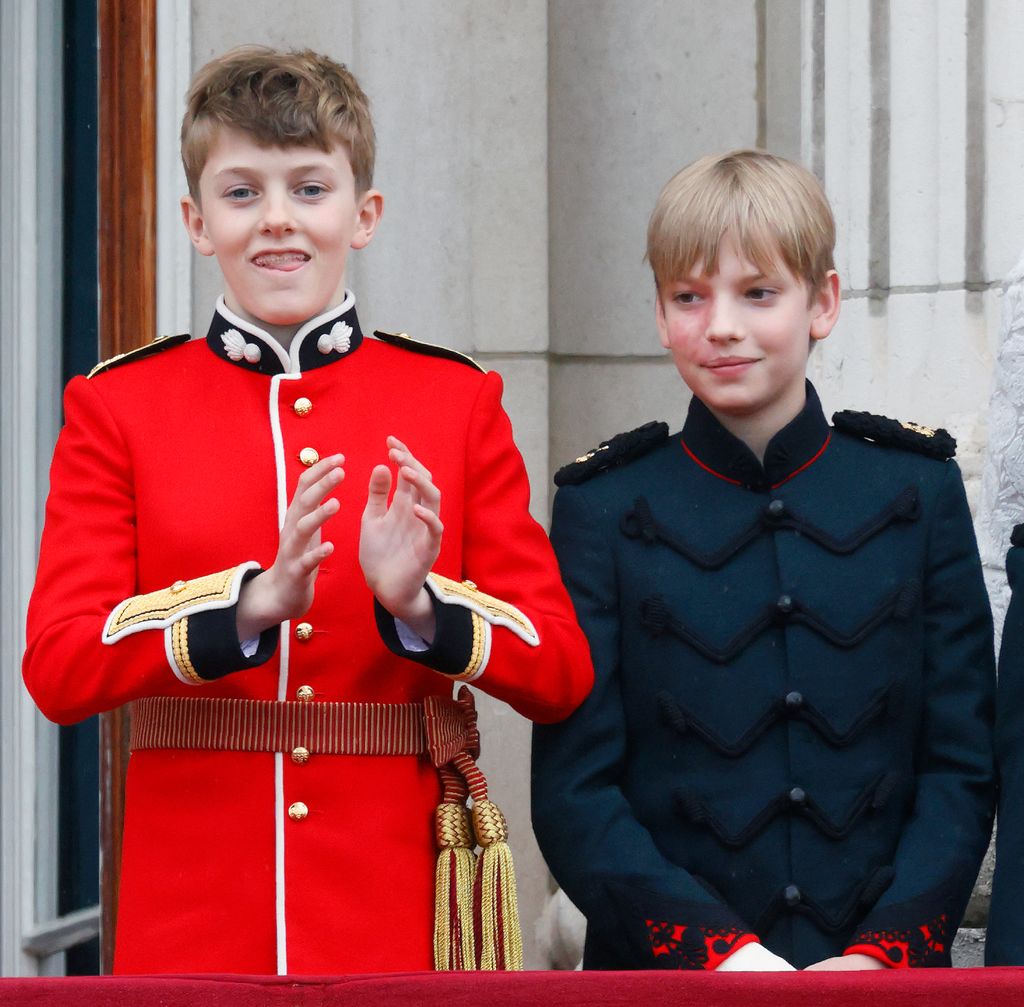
(500,940)
(453,907)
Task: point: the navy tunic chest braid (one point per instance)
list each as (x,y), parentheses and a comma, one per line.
(768,641)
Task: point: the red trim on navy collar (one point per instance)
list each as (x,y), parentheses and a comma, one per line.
(708,468)
(806,464)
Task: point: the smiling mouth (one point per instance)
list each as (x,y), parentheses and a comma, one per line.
(290,259)
(725,362)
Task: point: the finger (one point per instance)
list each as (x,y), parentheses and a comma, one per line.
(430,519)
(429,493)
(314,494)
(310,523)
(309,561)
(403,456)
(377,492)
(316,472)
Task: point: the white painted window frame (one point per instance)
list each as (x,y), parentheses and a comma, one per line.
(32,936)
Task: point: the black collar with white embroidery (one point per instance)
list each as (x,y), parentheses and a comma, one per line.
(322,340)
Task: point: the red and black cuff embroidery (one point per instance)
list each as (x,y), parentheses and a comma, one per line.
(682,946)
(924,946)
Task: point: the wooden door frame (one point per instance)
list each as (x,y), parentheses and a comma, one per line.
(127,314)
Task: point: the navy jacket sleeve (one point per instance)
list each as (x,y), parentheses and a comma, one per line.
(643,911)
(1004,944)
(947,832)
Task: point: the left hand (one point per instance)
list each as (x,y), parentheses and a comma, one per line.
(846,963)
(399,544)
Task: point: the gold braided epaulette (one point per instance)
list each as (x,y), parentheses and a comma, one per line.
(159,344)
(404,341)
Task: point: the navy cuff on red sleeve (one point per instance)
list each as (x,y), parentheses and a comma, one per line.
(451,651)
(213,644)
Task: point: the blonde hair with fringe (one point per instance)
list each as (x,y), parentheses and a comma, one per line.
(280,99)
(775,210)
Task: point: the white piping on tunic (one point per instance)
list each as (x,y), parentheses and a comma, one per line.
(282,931)
(282,678)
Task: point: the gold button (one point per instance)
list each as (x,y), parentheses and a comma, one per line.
(303,631)
(302,407)
(304,693)
(300,756)
(309,457)
(297,811)
(178,586)
(469,584)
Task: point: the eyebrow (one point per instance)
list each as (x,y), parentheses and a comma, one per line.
(250,171)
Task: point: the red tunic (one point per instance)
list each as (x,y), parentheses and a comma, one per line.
(182,464)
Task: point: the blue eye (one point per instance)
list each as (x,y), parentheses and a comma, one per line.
(685,297)
(311,190)
(240,192)
(760,293)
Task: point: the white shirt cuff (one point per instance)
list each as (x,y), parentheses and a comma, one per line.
(410,639)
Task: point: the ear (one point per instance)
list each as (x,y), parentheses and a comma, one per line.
(825,307)
(192,216)
(369,211)
(659,318)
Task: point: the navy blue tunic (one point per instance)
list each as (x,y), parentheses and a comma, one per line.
(790,729)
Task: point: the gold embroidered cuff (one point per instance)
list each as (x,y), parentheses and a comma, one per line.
(492,610)
(160,609)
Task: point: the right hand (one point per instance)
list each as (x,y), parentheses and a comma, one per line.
(285,591)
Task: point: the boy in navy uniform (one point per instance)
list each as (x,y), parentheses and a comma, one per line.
(786,760)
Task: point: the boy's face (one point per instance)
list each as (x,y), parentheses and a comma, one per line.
(280,221)
(740,337)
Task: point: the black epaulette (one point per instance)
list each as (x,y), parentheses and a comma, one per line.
(161,343)
(609,454)
(1017,535)
(406,342)
(937,443)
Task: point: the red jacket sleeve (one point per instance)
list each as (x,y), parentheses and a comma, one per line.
(86,651)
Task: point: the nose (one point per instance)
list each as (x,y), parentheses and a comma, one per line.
(723,321)
(277,217)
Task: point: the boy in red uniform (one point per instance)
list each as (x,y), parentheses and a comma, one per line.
(290,663)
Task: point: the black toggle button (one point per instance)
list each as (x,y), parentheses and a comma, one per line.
(797,796)
(775,509)
(794,702)
(784,604)
(792,895)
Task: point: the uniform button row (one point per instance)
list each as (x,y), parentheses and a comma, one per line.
(775,509)
(309,457)
(304,693)
(297,811)
(790,893)
(303,631)
(302,406)
(794,701)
